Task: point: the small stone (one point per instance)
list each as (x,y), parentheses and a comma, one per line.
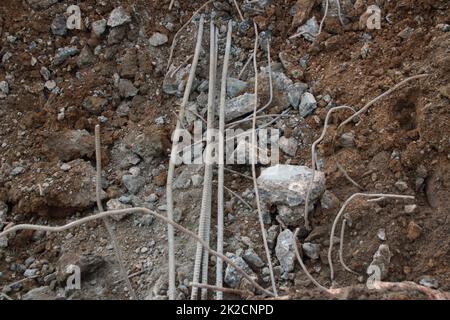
(288,145)
(29,273)
(307,105)
(406,33)
(235,87)
(65,167)
(444,27)
(17,170)
(50,85)
(118,17)
(272,235)
(414,231)
(59,25)
(232,277)
(4,87)
(410,208)
(347,140)
(63,53)
(133,183)
(126,88)
(310,29)
(253,260)
(86,57)
(380,262)
(146,220)
(284,250)
(144,250)
(381,234)
(6,57)
(288,216)
(197,180)
(99,27)
(429,282)
(329,200)
(288,184)
(295,92)
(41,293)
(239,106)
(152,198)
(311,250)
(94,105)
(45,73)
(158,39)
(401,185)
(115,204)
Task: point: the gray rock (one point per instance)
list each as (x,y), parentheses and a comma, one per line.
(145,145)
(126,88)
(133,183)
(88,264)
(401,186)
(118,17)
(63,53)
(145,221)
(288,184)
(232,277)
(86,57)
(381,234)
(3,242)
(406,33)
(50,85)
(4,87)
(41,293)
(309,29)
(116,204)
(288,145)
(6,57)
(295,92)
(3,213)
(17,170)
(253,260)
(444,27)
(59,25)
(239,106)
(329,200)
(175,82)
(45,73)
(272,235)
(289,216)
(41,4)
(307,105)
(115,36)
(99,27)
(29,273)
(235,87)
(347,140)
(429,282)
(381,261)
(311,250)
(94,105)
(285,251)
(158,39)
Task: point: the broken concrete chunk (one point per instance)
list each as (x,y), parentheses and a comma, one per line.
(307,105)
(380,262)
(285,251)
(239,106)
(118,17)
(232,277)
(288,184)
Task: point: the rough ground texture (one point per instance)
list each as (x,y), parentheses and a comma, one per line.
(57,84)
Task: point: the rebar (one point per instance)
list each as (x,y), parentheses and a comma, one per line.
(253,165)
(98,189)
(171,170)
(221,165)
